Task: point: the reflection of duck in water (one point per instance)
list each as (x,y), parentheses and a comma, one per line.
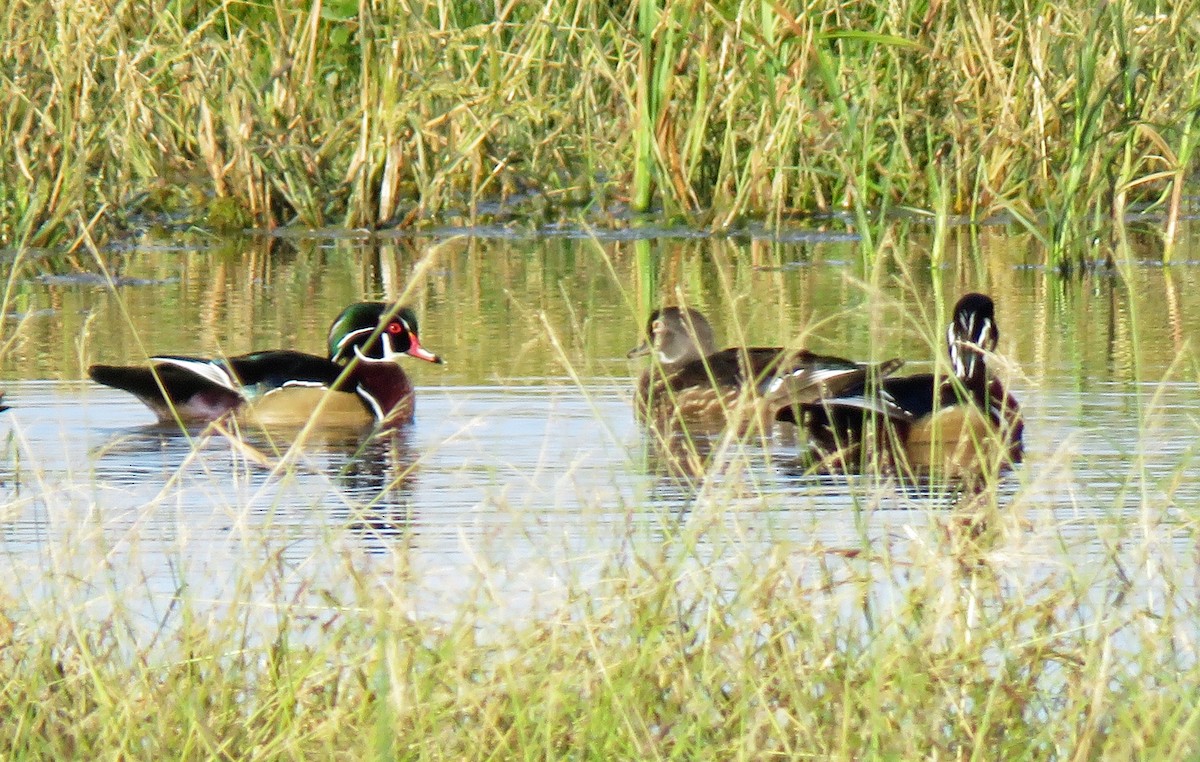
(360,383)
(695,386)
(957,426)
(358,482)
(378,483)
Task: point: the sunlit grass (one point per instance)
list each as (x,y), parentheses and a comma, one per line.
(222,115)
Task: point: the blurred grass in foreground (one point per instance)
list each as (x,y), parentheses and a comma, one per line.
(990,631)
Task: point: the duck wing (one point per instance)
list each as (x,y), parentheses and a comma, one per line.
(901,399)
(261,372)
(809,379)
(193,389)
(201,389)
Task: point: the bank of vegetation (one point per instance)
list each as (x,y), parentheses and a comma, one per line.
(1061,117)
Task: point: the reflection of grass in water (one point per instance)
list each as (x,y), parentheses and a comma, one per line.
(722,634)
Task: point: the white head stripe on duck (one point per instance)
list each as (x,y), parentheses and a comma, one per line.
(971,335)
(956,362)
(389,354)
(352,336)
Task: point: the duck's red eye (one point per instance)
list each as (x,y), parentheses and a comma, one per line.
(395,328)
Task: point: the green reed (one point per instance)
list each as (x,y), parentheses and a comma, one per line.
(649,91)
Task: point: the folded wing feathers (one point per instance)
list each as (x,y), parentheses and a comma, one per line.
(810,378)
(216,373)
(870,398)
(209,370)
(821,385)
(881,403)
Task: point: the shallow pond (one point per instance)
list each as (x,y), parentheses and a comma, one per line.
(525,469)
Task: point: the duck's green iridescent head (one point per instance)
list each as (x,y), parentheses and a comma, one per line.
(376,331)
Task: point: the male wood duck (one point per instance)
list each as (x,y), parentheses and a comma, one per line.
(695,384)
(959,426)
(360,382)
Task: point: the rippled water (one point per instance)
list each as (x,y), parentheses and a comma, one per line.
(525,467)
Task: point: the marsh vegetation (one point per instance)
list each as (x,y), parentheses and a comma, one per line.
(520,573)
(1062,118)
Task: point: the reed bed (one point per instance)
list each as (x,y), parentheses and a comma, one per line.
(1057,116)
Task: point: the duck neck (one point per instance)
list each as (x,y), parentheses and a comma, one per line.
(964,387)
(384,387)
(976,383)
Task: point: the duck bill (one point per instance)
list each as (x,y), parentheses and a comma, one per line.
(421,353)
(641,350)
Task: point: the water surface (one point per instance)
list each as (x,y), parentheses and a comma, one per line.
(525,470)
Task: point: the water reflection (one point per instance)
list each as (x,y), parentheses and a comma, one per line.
(364,479)
(680,464)
(678,455)
(378,480)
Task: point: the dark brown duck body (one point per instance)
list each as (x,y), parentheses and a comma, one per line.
(696,386)
(960,426)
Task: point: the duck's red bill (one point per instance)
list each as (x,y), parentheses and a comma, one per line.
(421,353)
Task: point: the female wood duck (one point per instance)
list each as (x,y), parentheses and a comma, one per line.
(703,388)
(358,384)
(959,426)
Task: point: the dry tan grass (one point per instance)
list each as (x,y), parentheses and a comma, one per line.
(396,113)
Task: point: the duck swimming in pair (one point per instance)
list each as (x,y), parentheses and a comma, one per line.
(359,382)
(959,425)
(704,389)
